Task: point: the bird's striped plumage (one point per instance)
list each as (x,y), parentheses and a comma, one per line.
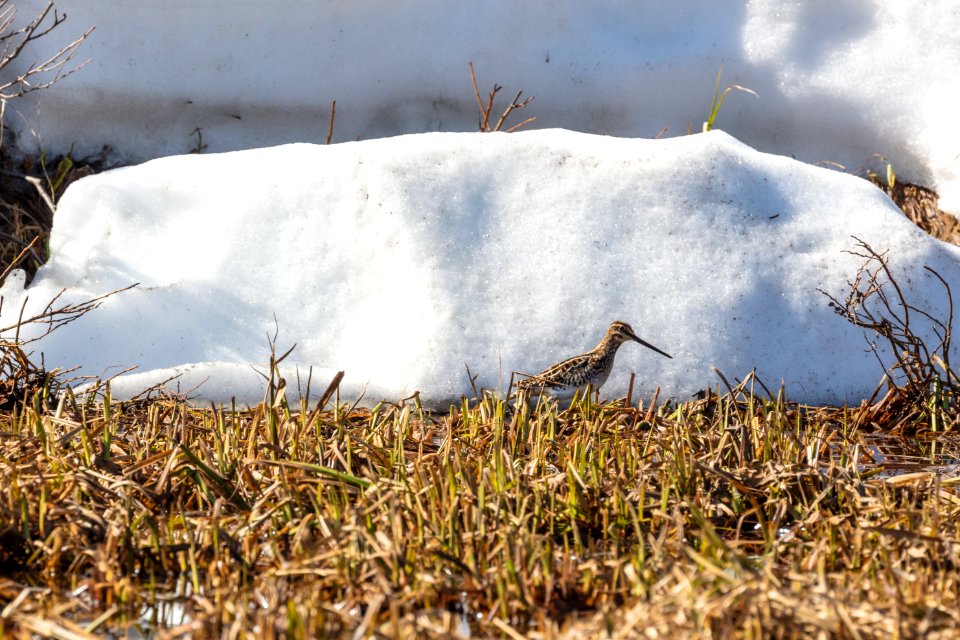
(591,368)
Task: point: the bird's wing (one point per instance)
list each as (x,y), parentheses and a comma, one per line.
(552,377)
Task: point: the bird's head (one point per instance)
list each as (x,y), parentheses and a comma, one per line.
(622,332)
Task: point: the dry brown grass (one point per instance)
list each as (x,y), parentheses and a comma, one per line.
(740,515)
(922,206)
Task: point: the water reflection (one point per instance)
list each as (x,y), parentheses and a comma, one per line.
(897,455)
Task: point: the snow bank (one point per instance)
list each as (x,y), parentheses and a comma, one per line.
(837,82)
(402,260)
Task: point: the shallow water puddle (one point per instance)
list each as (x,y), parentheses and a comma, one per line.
(897,455)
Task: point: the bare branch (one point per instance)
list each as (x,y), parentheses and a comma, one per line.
(16,261)
(487,109)
(19,376)
(56,316)
(39,75)
(925,369)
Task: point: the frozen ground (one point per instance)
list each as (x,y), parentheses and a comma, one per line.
(402,260)
(837,81)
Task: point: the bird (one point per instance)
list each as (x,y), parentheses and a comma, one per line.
(591,368)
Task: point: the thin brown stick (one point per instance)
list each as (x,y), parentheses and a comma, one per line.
(651,410)
(520,124)
(59,316)
(513,105)
(16,261)
(333,113)
(476,90)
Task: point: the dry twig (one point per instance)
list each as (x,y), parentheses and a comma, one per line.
(38,75)
(487,108)
(876,302)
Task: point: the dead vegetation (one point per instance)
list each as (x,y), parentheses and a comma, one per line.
(922,206)
(743,515)
(14,39)
(486,108)
(920,389)
(28,190)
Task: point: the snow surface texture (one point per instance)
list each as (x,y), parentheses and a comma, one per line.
(837,81)
(402,260)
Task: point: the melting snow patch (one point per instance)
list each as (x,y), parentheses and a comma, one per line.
(402,261)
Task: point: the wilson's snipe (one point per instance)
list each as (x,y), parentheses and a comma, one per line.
(592,368)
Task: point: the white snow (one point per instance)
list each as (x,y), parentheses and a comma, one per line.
(402,260)
(837,81)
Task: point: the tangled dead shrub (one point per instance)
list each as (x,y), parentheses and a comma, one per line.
(921,387)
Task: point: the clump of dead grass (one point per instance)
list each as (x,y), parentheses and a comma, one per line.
(921,388)
(921,205)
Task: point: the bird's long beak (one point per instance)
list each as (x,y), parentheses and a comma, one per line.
(650,346)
